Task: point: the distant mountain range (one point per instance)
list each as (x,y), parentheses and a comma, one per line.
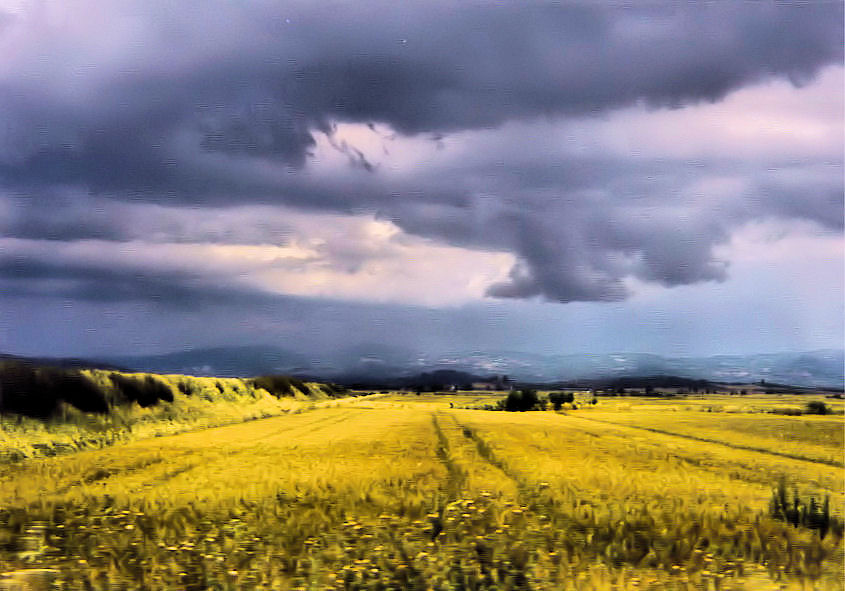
(63,362)
(378,362)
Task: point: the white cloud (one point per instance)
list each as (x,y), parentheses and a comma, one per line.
(770,119)
(795,245)
(356,258)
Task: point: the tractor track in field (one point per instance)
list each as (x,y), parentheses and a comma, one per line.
(834,463)
(309,427)
(525,492)
(11,459)
(327,422)
(487,453)
(531,496)
(102,476)
(103,473)
(456,477)
(171,474)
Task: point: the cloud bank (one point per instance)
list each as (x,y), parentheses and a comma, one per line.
(542,151)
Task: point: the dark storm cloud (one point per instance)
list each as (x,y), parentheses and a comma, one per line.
(64,216)
(581,242)
(60,217)
(39,278)
(258,81)
(221,104)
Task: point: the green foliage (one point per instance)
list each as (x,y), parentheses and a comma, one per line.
(333,390)
(817,407)
(800,512)
(279,385)
(145,390)
(39,391)
(522,400)
(558,399)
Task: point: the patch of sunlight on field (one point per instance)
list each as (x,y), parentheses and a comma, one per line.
(408,492)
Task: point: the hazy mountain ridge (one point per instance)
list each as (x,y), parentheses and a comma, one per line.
(220,361)
(806,368)
(62,362)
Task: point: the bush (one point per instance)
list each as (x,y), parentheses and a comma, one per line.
(79,391)
(817,407)
(37,391)
(558,399)
(146,391)
(279,386)
(522,400)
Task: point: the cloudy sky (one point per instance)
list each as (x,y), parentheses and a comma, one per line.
(538,177)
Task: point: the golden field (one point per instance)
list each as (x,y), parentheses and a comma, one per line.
(419,492)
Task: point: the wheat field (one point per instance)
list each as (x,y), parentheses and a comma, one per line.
(419,492)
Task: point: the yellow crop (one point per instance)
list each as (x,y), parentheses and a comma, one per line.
(420,492)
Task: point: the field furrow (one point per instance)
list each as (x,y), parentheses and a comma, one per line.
(792,456)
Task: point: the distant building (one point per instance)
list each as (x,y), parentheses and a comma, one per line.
(494,383)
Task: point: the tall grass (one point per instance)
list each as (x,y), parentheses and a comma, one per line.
(48,411)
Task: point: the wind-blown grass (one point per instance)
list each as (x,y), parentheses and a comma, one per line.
(388,494)
(107,407)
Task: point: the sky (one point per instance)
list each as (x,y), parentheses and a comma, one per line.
(542,177)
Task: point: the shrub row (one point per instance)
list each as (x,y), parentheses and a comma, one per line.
(528,399)
(280,386)
(39,391)
(814,407)
(145,390)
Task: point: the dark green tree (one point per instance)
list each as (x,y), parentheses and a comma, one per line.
(558,399)
(522,400)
